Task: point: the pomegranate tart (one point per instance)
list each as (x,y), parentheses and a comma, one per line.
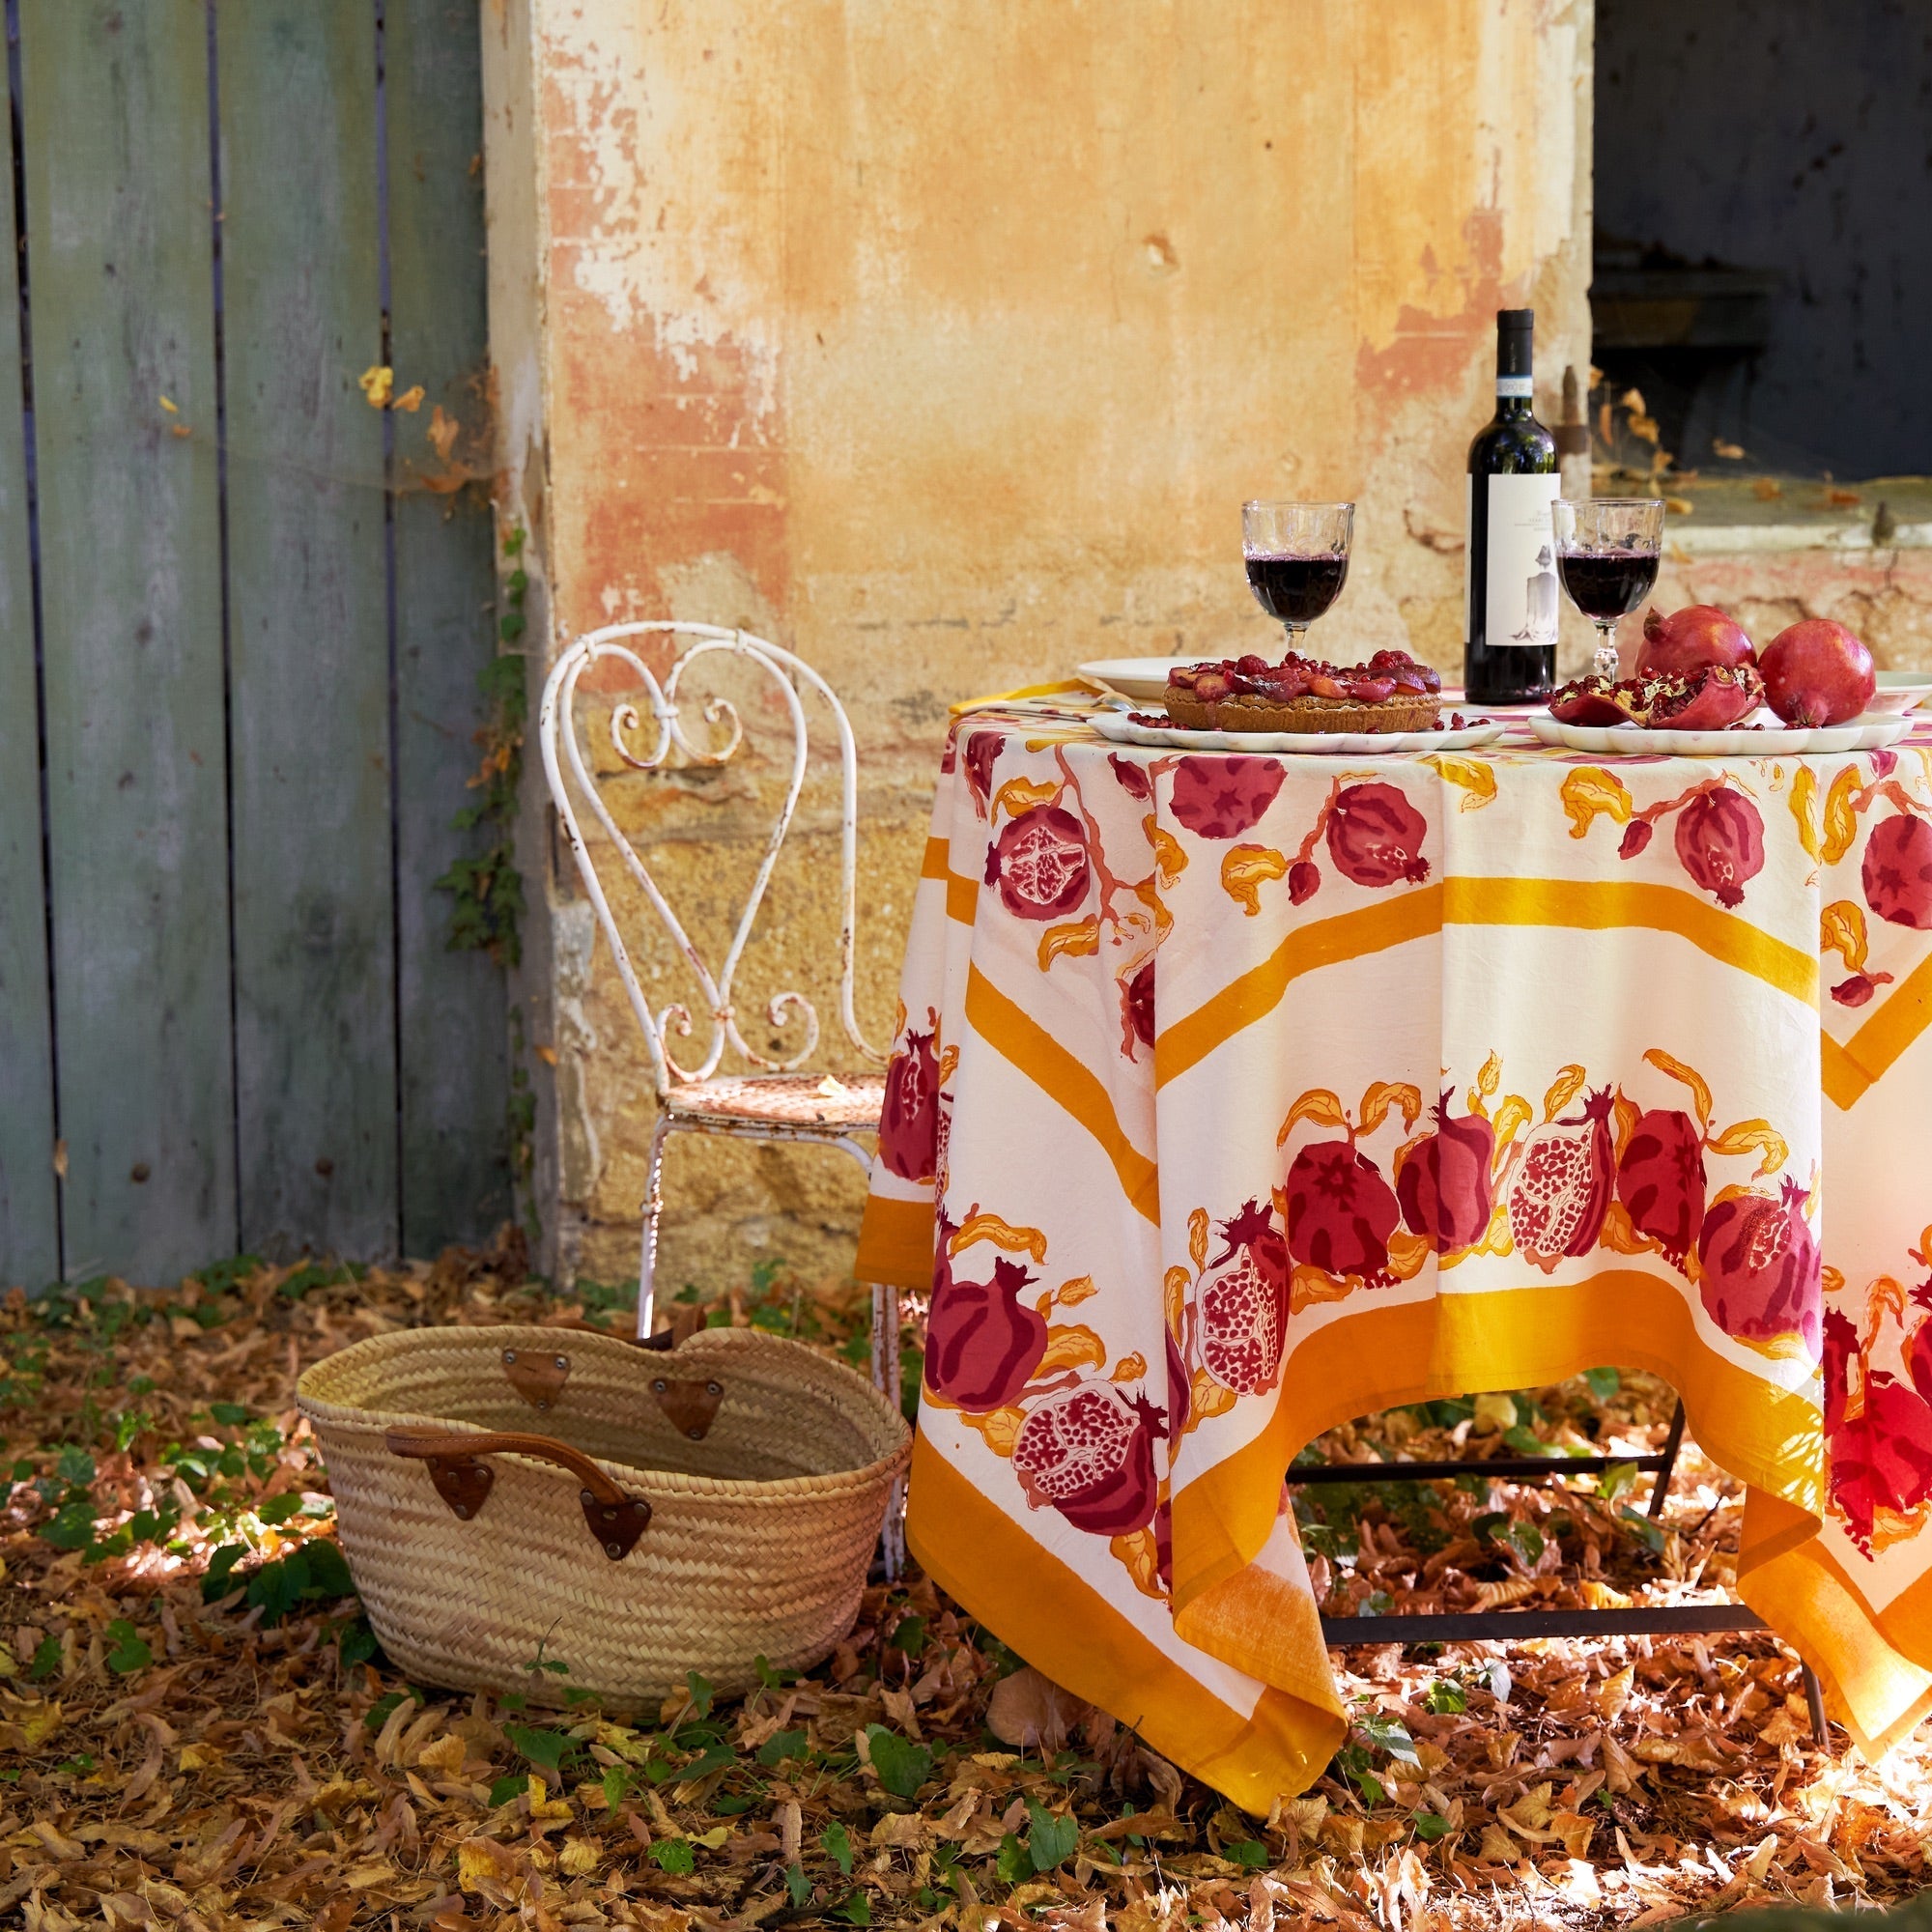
(1390,693)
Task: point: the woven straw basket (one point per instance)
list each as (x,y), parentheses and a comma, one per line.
(684,1510)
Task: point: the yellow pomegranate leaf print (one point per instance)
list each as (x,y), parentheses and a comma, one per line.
(1564,1089)
(1244,871)
(1080,938)
(1072,1347)
(1170,860)
(1590,790)
(1754,1137)
(1841,816)
(1687,1076)
(1139,1556)
(1476,780)
(1804,802)
(1841,929)
(979,1226)
(1385,1094)
(1018,795)
(1319,1105)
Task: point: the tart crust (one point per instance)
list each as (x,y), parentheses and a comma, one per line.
(1301,715)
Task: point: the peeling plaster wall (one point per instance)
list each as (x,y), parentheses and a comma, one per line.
(941,343)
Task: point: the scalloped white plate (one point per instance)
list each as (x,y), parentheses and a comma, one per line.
(1630,741)
(1121,729)
(1900,691)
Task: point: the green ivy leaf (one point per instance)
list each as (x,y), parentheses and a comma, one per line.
(1248,1852)
(903,1766)
(1012,1863)
(1051,1840)
(780,1745)
(74,1466)
(73,1526)
(798,1885)
(278,1509)
(1392,1737)
(1602,1383)
(1429,1827)
(1648,1533)
(1616,1480)
(230,1415)
(214,1583)
(506,1790)
(130,1654)
(46,1659)
(543,1748)
(1526,1540)
(835,1842)
(675,1856)
(702,1694)
(856,1911)
(1445,1698)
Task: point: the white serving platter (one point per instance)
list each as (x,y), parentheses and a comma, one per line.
(1899,692)
(1861,735)
(1121,729)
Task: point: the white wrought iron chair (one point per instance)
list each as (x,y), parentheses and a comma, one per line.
(775,1102)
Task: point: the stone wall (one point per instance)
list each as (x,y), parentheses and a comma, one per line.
(941,344)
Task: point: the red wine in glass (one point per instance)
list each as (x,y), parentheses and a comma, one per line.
(1606,549)
(1296,590)
(1609,583)
(1297,559)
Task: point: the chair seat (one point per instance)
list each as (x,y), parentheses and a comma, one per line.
(782,1099)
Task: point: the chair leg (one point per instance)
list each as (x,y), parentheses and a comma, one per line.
(647,1259)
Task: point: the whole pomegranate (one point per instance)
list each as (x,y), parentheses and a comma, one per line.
(1089,1452)
(1374,835)
(1817,672)
(1221,798)
(1244,1308)
(1561,1188)
(1341,1212)
(1689,639)
(1897,872)
(1721,843)
(1760,1266)
(983,1343)
(1661,1181)
(1039,864)
(909,1118)
(1445,1187)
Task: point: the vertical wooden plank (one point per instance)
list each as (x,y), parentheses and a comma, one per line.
(29,1223)
(454,1065)
(115,102)
(308,628)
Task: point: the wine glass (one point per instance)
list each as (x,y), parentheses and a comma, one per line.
(1607,551)
(1297,558)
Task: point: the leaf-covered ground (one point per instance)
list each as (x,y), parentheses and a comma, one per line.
(197,1730)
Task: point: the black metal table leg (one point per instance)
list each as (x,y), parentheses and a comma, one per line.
(1671,1444)
(1814,1698)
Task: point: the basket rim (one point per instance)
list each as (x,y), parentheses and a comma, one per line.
(358,1419)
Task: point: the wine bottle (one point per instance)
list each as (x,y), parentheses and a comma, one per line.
(1509,581)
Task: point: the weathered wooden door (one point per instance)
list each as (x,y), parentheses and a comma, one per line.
(242,614)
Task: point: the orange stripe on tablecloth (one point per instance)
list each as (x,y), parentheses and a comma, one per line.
(962,895)
(1864,1060)
(1017,1035)
(1062,1625)
(1322,942)
(1598,904)
(896,1242)
(1378,1357)
(1875,1684)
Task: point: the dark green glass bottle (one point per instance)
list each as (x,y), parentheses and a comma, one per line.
(1509,584)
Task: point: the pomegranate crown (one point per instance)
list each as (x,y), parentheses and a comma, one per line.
(1922,1294)
(1010,1277)
(1595,1107)
(1792,1192)
(1244,1229)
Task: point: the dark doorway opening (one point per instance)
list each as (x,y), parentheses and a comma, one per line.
(1764,208)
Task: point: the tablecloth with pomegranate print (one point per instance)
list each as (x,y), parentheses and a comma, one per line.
(1237,1096)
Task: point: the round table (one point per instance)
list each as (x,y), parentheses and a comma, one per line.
(1237,1096)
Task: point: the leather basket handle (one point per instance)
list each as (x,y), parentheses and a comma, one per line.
(463,1481)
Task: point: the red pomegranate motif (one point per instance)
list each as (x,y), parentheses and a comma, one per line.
(1179,1390)
(983,751)
(1760,1275)
(1919,1351)
(1661,1181)
(1221,798)
(1089,1452)
(909,1118)
(1445,1185)
(1138,995)
(1244,1308)
(1303,882)
(1132,778)
(1039,864)
(1374,835)
(1721,843)
(1561,1188)
(1880,1459)
(1897,871)
(1341,1212)
(983,1343)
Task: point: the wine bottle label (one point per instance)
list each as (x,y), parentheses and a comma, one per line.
(1515,386)
(1520,571)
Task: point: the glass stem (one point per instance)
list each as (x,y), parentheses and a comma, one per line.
(1295,633)
(1607,649)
